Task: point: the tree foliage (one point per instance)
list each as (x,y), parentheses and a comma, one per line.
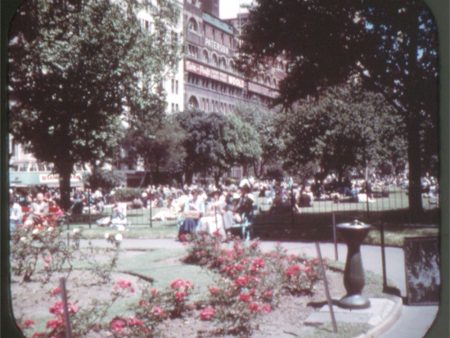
(74,67)
(267,123)
(345,128)
(391,45)
(160,148)
(215,142)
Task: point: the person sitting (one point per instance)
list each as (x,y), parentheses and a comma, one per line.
(15,214)
(211,222)
(38,210)
(241,212)
(193,210)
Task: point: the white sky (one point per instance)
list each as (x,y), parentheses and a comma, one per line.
(230,8)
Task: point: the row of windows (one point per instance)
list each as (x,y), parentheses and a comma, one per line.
(221,62)
(211,58)
(208,105)
(212,33)
(213,85)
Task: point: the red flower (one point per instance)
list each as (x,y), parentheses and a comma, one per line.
(258,263)
(134,322)
(124,285)
(213,290)
(266,308)
(57,308)
(157,311)
(241,281)
(55,291)
(245,297)
(118,324)
(54,323)
(254,307)
(39,335)
(293,270)
(207,313)
(180,284)
(179,296)
(268,294)
(28,323)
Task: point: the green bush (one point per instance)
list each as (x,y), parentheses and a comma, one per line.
(127,194)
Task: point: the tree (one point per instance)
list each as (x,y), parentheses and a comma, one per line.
(346,128)
(215,142)
(266,122)
(75,67)
(241,142)
(160,146)
(392,45)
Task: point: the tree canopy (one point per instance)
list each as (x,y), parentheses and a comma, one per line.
(215,142)
(345,129)
(391,45)
(75,68)
(267,123)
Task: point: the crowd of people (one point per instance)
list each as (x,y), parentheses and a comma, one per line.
(206,207)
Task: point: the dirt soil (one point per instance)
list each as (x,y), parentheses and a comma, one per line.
(32,301)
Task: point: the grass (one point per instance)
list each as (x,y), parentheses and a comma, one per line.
(313,224)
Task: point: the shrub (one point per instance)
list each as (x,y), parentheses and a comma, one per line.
(127,194)
(42,243)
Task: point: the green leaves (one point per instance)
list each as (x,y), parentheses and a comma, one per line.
(78,70)
(345,128)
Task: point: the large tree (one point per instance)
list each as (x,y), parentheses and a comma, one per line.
(345,129)
(392,45)
(266,122)
(215,142)
(76,68)
(160,146)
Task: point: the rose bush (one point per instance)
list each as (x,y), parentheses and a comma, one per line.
(252,281)
(43,244)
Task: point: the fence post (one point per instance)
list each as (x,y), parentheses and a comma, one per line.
(62,283)
(89,208)
(151,213)
(336,255)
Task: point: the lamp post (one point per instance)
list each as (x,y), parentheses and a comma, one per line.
(353,234)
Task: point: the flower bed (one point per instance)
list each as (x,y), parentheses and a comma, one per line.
(250,284)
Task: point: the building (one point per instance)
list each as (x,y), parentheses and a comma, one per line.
(212,83)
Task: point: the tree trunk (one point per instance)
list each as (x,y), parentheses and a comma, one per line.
(414,163)
(65,171)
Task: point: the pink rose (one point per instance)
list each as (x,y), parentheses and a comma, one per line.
(207,313)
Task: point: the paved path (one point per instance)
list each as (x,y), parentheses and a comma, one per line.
(414,321)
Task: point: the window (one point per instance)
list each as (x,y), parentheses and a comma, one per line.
(173,86)
(192,25)
(176,86)
(177,108)
(215,60)
(205,56)
(193,102)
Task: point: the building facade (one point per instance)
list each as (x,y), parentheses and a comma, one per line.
(211,81)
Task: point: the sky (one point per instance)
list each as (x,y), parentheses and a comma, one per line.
(230,8)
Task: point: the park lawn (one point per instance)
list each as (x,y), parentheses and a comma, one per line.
(312,224)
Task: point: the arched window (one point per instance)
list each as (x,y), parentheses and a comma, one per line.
(205,56)
(193,102)
(192,25)
(223,63)
(232,66)
(215,60)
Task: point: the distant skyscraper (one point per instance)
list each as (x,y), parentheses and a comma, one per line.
(211,7)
